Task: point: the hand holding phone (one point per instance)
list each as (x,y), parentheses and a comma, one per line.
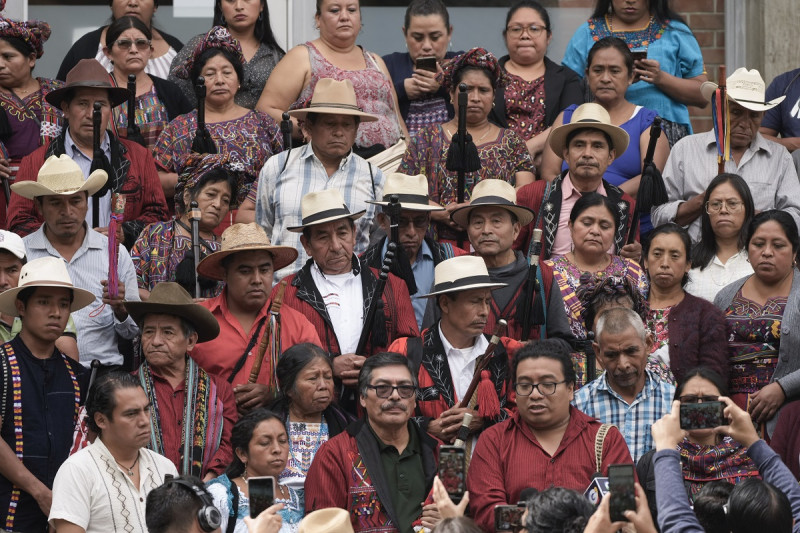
(622,496)
(508,518)
(261,493)
(704,415)
(426,63)
(452,471)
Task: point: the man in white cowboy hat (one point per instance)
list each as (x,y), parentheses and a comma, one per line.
(246,263)
(330,124)
(421,252)
(41,390)
(192,412)
(62,196)
(334,291)
(766,166)
(493,221)
(131,167)
(588,144)
(446,355)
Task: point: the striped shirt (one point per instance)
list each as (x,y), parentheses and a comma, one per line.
(597,399)
(279,194)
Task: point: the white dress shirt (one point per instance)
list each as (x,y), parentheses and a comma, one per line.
(708,282)
(343,296)
(462,362)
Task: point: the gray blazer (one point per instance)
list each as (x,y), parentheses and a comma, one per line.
(787,371)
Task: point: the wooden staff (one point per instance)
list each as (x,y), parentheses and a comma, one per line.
(286,131)
(724,105)
(483,362)
(194,218)
(202,143)
(117,212)
(377,295)
(133,132)
(274,310)
(530,288)
(97,162)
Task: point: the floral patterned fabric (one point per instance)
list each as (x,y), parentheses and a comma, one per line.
(151,116)
(635,39)
(525,108)
(657,323)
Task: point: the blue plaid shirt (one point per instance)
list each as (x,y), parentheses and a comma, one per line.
(599,400)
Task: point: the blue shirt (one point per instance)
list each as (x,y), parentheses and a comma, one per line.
(85,162)
(599,400)
(784,117)
(423,269)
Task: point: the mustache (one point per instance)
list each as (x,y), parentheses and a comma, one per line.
(393,405)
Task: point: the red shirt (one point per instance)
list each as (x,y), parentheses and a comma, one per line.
(219,356)
(508,459)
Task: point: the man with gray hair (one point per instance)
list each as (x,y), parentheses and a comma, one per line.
(625,394)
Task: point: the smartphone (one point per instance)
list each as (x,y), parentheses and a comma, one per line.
(452,471)
(426,63)
(638,54)
(622,491)
(262,493)
(508,517)
(703,415)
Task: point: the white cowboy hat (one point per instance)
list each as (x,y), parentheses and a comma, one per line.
(333,97)
(411,191)
(323,206)
(241,238)
(60,175)
(746,88)
(589,115)
(44,272)
(493,193)
(461,273)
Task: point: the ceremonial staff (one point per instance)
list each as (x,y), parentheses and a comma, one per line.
(286,130)
(202,143)
(377,295)
(271,332)
(652,191)
(481,380)
(720,114)
(97,163)
(532,289)
(133,132)
(194,217)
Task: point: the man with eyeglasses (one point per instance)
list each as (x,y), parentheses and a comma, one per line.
(626,394)
(546,443)
(381,468)
(766,166)
(417,254)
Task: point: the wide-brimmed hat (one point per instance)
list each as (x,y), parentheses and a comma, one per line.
(461,273)
(746,88)
(411,191)
(60,175)
(169,298)
(334,97)
(329,520)
(242,238)
(88,74)
(493,193)
(589,115)
(319,207)
(44,272)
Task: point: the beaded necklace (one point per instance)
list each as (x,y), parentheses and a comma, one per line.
(641,38)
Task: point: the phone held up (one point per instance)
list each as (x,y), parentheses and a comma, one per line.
(622,491)
(426,63)
(508,518)
(261,492)
(452,471)
(703,415)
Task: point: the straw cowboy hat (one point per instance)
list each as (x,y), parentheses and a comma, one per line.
(330,520)
(44,272)
(319,207)
(746,88)
(493,193)
(169,298)
(334,97)
(242,238)
(461,273)
(589,115)
(411,191)
(88,74)
(60,175)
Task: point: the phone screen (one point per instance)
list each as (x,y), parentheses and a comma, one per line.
(507,517)
(451,471)
(261,494)
(622,491)
(703,415)
(426,63)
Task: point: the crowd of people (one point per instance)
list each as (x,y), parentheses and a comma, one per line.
(223,262)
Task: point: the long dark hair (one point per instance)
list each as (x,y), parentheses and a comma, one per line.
(705,249)
(290,364)
(658,8)
(262,30)
(242,434)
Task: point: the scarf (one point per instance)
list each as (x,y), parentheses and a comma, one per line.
(726,461)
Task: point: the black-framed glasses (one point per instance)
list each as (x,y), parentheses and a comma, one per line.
(533,30)
(716,206)
(546,388)
(384,391)
(420,222)
(125,44)
(693,398)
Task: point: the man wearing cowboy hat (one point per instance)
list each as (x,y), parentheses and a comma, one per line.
(446,355)
(766,166)
(188,405)
(41,390)
(334,292)
(588,145)
(246,263)
(493,221)
(62,194)
(130,167)
(326,162)
(421,252)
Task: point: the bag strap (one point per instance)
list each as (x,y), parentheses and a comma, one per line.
(372,179)
(233,518)
(240,363)
(598,445)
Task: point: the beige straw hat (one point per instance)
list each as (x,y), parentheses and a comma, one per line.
(746,88)
(491,193)
(169,298)
(334,97)
(60,175)
(330,520)
(589,115)
(411,191)
(242,238)
(461,273)
(319,207)
(44,272)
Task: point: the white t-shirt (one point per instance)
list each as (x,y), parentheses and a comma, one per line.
(344,301)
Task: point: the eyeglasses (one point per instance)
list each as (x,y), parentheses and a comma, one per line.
(717,205)
(420,222)
(125,44)
(692,398)
(547,388)
(533,30)
(384,391)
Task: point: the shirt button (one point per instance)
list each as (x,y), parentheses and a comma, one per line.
(552,461)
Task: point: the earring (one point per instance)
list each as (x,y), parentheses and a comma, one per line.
(260,17)
(244,474)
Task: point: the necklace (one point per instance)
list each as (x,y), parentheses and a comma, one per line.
(129,470)
(574,261)
(611,24)
(488,129)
